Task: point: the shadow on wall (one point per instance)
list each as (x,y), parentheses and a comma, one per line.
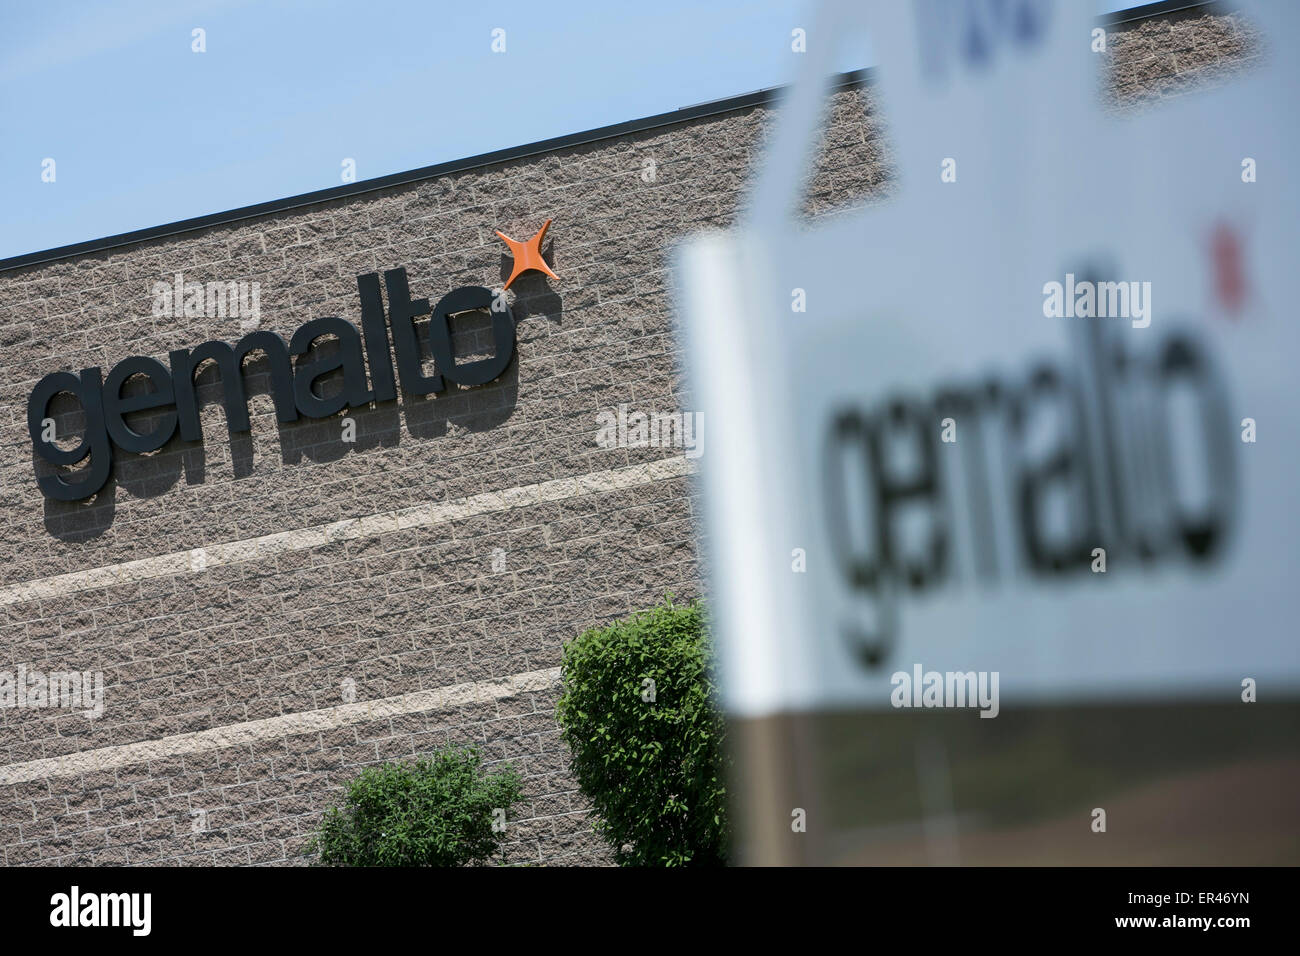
(318,440)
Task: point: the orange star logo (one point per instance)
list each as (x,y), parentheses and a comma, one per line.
(528,255)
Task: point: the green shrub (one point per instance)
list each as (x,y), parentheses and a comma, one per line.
(435,812)
(652,769)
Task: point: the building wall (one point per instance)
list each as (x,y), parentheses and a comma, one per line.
(230,590)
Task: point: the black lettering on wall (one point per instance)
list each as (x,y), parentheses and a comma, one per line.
(87,388)
(117,406)
(401,315)
(230,364)
(503,336)
(293,390)
(376,332)
(346,357)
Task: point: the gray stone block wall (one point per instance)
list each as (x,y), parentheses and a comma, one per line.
(217,662)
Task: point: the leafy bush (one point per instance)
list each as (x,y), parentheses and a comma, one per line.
(435,812)
(649,756)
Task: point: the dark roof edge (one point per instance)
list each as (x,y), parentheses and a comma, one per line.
(685,114)
(1148,10)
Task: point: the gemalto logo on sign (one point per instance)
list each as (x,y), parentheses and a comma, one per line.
(172,389)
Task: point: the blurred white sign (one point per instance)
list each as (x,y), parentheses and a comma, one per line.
(1038,413)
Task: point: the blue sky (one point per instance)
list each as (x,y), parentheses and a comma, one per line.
(143,131)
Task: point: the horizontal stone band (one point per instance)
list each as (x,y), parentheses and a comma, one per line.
(198,560)
(274,728)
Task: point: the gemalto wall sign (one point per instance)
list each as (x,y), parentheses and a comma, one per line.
(105,406)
